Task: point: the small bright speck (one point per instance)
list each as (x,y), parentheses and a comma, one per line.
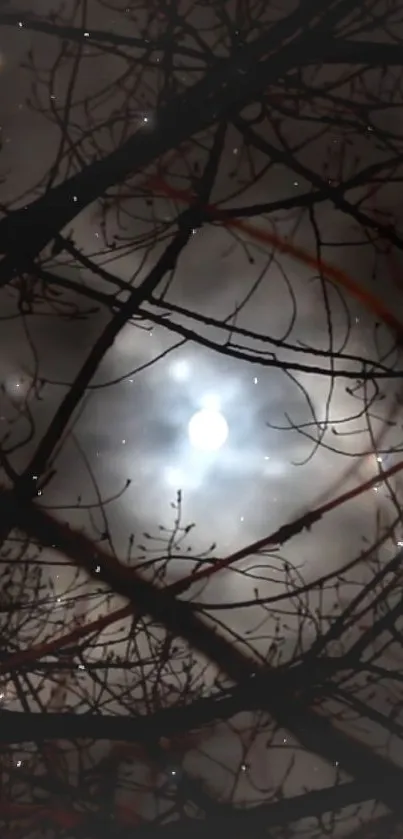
(376,489)
(379,459)
(242,518)
(75,198)
(173,771)
(1,695)
(20,24)
(58,600)
(296,183)
(19,763)
(145,119)
(266,457)
(208,430)
(244,767)
(255,380)
(400,544)
(86,34)
(98,569)
(81,667)
(123,442)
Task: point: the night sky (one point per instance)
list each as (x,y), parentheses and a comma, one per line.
(133,424)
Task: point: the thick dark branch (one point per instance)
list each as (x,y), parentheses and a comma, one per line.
(361,52)
(317,734)
(250,694)
(246,822)
(16,727)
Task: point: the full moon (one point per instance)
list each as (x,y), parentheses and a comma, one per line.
(208,430)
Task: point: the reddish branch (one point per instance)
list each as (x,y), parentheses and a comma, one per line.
(267,237)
